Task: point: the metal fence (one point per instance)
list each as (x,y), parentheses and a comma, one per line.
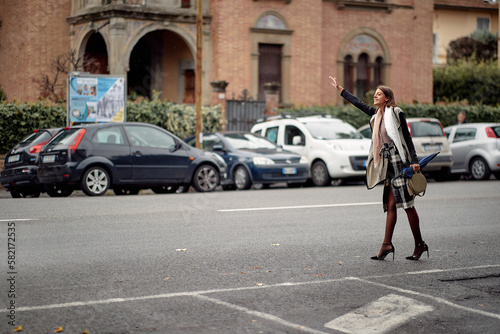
(243,113)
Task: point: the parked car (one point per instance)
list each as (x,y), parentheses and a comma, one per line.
(476,149)
(126,157)
(19,176)
(334,149)
(252,159)
(428,137)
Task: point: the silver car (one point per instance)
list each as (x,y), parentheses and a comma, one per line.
(428,137)
(476,149)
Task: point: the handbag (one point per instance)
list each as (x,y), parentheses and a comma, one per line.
(417,184)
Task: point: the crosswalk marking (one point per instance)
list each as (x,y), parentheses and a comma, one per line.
(380,316)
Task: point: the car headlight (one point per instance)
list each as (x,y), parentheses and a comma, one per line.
(303,160)
(262,161)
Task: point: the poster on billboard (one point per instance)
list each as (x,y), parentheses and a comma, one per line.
(96,98)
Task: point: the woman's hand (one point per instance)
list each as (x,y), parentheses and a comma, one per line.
(416,167)
(335,84)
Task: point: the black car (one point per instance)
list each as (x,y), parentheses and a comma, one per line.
(20,169)
(253,159)
(126,157)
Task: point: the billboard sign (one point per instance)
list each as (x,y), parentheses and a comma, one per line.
(96,98)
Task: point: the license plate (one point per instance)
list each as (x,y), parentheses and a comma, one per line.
(14,158)
(432,147)
(47,159)
(289,170)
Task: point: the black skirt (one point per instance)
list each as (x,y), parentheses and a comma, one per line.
(394,181)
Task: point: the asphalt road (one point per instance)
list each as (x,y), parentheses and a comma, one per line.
(259,261)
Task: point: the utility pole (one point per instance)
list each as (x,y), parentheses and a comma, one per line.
(199,72)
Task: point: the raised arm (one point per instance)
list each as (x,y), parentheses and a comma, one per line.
(370,111)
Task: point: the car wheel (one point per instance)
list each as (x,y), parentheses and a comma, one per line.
(95,181)
(319,173)
(55,190)
(479,169)
(242,179)
(206,178)
(165,189)
(28,192)
(15,193)
(120,191)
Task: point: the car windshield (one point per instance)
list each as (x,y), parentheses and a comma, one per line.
(248,141)
(426,129)
(332,130)
(36,138)
(63,138)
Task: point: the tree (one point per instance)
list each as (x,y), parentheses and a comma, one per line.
(481,45)
(51,87)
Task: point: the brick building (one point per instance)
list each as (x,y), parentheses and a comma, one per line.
(247,43)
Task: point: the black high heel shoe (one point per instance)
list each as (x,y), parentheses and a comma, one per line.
(424,247)
(385,253)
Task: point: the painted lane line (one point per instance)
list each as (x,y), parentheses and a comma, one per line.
(436,299)
(247,288)
(303,329)
(162,296)
(15,220)
(301,207)
(380,316)
(434,271)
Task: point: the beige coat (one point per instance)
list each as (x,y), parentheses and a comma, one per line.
(375,175)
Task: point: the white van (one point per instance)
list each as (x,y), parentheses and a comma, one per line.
(335,150)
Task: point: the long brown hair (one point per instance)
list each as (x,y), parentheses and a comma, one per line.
(389,94)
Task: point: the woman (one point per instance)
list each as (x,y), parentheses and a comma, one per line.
(391,149)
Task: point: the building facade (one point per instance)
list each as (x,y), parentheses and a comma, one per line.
(246,43)
(459,18)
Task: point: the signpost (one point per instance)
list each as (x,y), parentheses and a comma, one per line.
(96,98)
(199,73)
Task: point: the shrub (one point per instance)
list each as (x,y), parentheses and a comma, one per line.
(468,81)
(18,119)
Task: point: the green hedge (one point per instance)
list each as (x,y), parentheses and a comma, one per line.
(447,114)
(18,119)
(476,83)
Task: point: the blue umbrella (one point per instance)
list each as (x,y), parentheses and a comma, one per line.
(408,171)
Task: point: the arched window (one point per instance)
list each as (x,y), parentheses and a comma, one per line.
(363,77)
(364,61)
(348,73)
(271,21)
(377,72)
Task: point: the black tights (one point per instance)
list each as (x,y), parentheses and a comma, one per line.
(391,219)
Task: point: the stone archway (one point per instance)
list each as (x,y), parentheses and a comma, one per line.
(161,58)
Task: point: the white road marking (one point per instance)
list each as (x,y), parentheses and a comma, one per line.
(436,299)
(380,316)
(301,207)
(286,284)
(262,315)
(15,220)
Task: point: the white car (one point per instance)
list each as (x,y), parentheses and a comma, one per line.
(428,137)
(334,149)
(476,149)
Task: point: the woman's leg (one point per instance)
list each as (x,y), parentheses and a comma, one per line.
(415,229)
(390,222)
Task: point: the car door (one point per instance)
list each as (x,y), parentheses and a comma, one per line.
(156,155)
(293,139)
(110,142)
(463,143)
